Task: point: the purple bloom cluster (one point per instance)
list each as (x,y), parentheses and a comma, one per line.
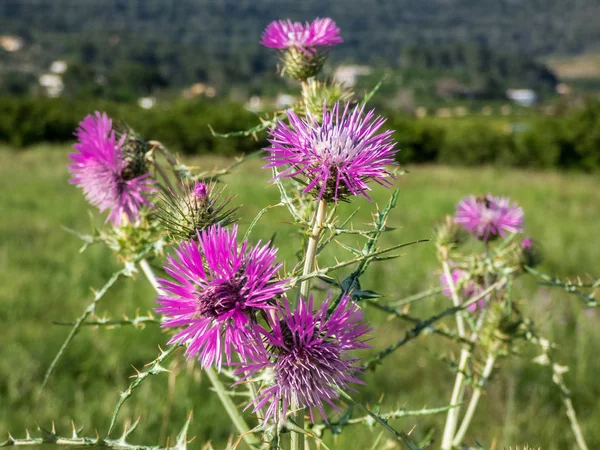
(307,353)
(489,216)
(98,168)
(306,36)
(338,155)
(470,289)
(217,287)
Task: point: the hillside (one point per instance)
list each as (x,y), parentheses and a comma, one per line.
(217,40)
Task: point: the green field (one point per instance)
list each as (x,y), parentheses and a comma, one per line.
(43,279)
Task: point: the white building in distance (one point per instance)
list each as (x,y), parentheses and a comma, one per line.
(11,43)
(52,83)
(347,75)
(523,97)
(59,67)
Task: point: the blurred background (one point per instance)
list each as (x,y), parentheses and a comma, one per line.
(497,96)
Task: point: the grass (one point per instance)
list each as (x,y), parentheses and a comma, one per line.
(43,279)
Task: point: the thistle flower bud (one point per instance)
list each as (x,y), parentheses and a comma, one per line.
(504,323)
(197,208)
(129,240)
(449,234)
(531,254)
(300,64)
(315,94)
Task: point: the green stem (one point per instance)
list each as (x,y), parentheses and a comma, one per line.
(297,439)
(557,378)
(80,321)
(426,324)
(400,435)
(311,249)
(452,418)
(477,391)
(234,414)
(154,368)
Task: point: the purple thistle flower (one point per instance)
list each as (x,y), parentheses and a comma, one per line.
(337,156)
(470,289)
(201,190)
(284,34)
(527,243)
(307,354)
(489,216)
(217,286)
(98,168)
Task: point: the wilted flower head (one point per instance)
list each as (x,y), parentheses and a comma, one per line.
(337,155)
(218,285)
(197,208)
(470,289)
(100,169)
(299,45)
(489,216)
(306,354)
(283,34)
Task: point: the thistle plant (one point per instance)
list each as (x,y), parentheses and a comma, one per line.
(256,324)
(301,45)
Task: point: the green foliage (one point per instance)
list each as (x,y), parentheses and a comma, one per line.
(475,144)
(570,140)
(182,125)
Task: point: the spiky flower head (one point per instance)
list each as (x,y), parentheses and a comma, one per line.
(530,252)
(128,240)
(317,93)
(218,285)
(306,356)
(470,289)
(337,155)
(489,217)
(449,234)
(282,34)
(300,45)
(196,208)
(100,169)
(503,323)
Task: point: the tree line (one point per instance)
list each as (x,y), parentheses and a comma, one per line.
(570,140)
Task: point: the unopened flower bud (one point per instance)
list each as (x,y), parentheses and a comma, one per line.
(300,64)
(531,254)
(315,94)
(197,208)
(449,234)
